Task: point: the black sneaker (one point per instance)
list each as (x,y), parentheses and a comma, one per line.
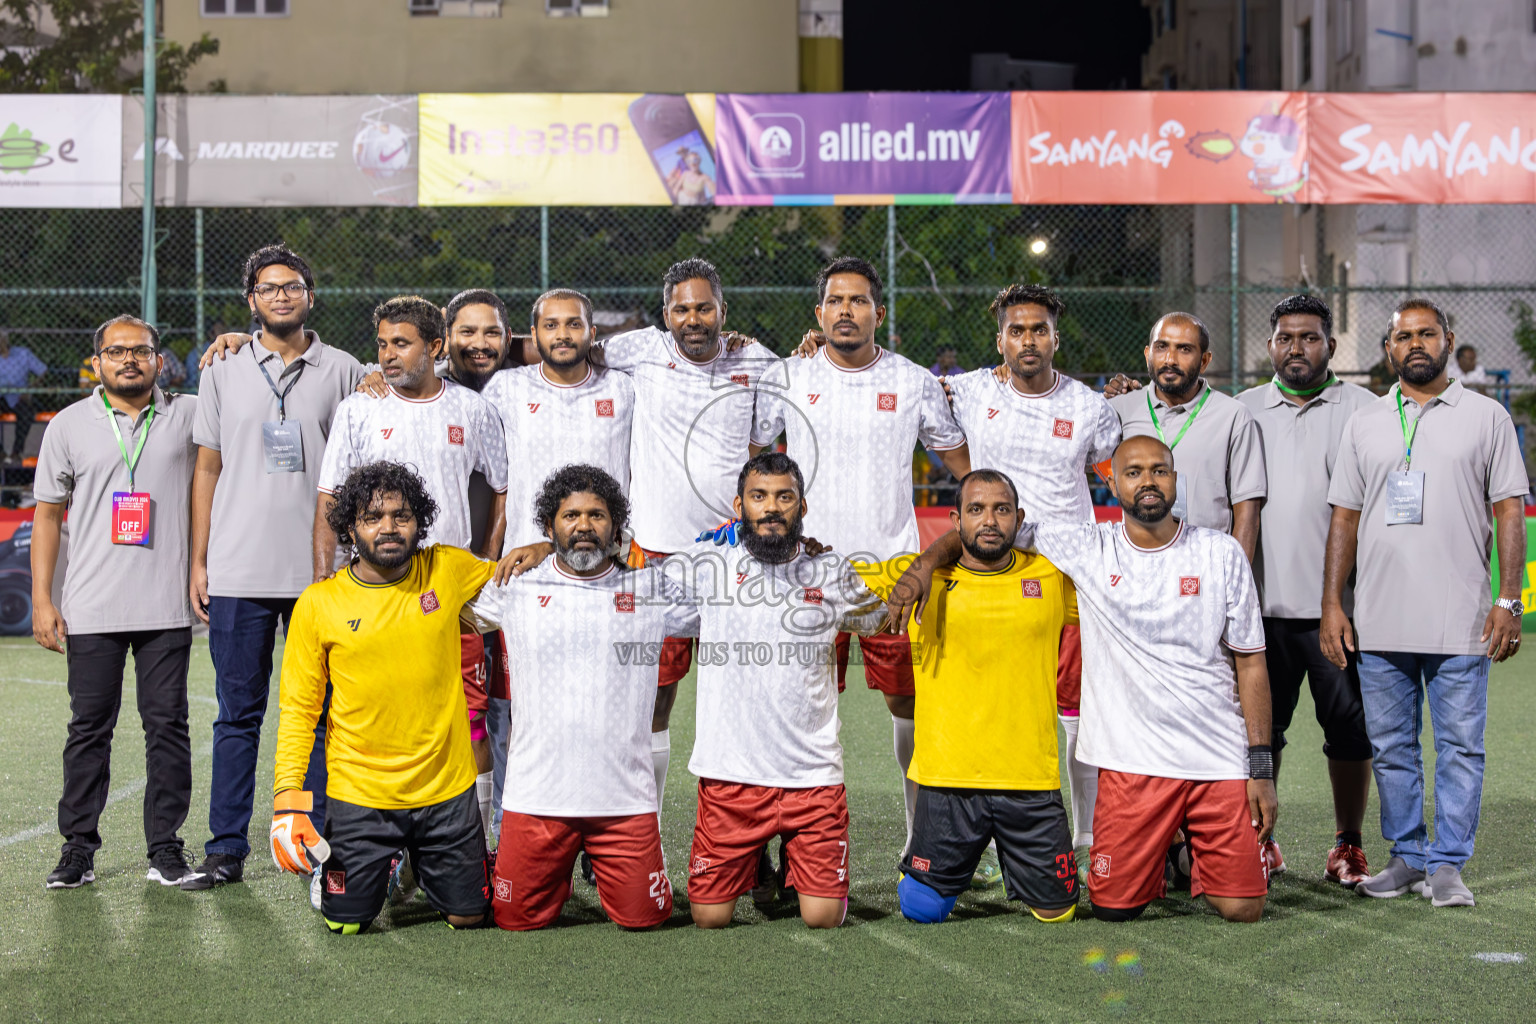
(76,868)
(216,869)
(587,874)
(168,866)
(765,892)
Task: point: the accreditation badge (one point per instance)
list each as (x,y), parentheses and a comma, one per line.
(1405,497)
(130,517)
(282,446)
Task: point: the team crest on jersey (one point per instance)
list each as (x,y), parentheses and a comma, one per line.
(1062,428)
(812,595)
(336,883)
(739,378)
(1189,586)
(386,431)
(504,890)
(456,435)
(1032,589)
(604,407)
(699,866)
(1101,865)
(624,602)
(544,600)
(429,602)
(991,414)
(885,402)
(921,864)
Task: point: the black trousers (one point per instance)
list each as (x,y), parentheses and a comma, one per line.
(26,413)
(96,662)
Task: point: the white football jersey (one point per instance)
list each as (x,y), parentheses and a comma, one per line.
(693,422)
(549,426)
(442,440)
(853,433)
(582,655)
(1044,443)
(1159,689)
(767,683)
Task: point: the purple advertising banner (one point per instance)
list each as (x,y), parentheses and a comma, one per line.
(862,148)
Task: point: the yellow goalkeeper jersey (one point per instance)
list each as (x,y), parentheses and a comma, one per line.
(984,665)
(398,732)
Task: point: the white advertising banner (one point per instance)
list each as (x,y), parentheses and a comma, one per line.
(60,151)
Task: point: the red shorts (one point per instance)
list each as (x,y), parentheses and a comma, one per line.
(887,663)
(472,667)
(498,683)
(676,651)
(736,820)
(533,869)
(1134,820)
(1069,671)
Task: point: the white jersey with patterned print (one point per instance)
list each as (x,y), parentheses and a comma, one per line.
(582,655)
(550,425)
(853,433)
(1160,626)
(693,422)
(1043,443)
(767,684)
(442,440)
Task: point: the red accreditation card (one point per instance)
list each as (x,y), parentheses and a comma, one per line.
(130,517)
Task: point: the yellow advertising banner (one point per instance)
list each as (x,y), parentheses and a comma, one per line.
(567,149)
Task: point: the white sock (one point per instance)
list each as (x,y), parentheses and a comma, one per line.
(1082,785)
(483,796)
(661,757)
(902,736)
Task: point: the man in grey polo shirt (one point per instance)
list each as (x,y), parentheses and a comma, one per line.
(263,417)
(1421,475)
(120,460)
(1216,447)
(1301,414)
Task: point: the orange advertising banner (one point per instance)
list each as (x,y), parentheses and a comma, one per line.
(1160,147)
(1457,147)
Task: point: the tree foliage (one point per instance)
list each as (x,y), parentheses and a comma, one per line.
(97,49)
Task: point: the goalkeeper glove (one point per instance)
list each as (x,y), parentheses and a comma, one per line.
(294,839)
(724,534)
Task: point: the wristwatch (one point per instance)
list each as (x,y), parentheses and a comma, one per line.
(1511,605)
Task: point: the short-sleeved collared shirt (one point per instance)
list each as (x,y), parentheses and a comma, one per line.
(115,588)
(1219,460)
(259,544)
(16,367)
(1301,445)
(1426,587)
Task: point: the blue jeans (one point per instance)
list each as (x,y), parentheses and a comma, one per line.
(1393,686)
(241,633)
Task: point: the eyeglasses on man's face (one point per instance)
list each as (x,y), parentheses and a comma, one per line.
(290,290)
(119,354)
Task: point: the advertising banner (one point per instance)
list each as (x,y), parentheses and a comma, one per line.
(576,149)
(274,151)
(863,148)
(60,151)
(1160,147)
(1458,147)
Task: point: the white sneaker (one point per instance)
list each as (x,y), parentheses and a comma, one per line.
(314,888)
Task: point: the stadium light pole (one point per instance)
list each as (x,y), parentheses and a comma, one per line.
(147,270)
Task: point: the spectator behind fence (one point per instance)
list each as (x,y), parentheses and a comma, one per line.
(19,368)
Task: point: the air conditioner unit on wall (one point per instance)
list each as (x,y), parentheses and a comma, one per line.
(576,8)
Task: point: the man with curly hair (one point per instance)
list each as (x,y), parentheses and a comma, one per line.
(584,634)
(401,773)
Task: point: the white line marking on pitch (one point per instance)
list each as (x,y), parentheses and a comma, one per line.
(1500,958)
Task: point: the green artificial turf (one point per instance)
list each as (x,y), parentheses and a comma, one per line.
(127,949)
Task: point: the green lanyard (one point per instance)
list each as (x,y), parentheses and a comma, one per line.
(1408,435)
(1309,392)
(1187,423)
(143,436)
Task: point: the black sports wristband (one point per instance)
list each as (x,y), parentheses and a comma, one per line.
(1261,762)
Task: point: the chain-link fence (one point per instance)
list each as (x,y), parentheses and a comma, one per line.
(1118,267)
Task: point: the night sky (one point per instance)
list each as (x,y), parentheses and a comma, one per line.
(927,44)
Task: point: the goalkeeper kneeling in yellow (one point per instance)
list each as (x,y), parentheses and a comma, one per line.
(984,665)
(384,631)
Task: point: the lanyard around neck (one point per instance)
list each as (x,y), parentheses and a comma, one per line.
(1187,423)
(131,461)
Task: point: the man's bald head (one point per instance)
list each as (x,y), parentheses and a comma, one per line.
(1143,479)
